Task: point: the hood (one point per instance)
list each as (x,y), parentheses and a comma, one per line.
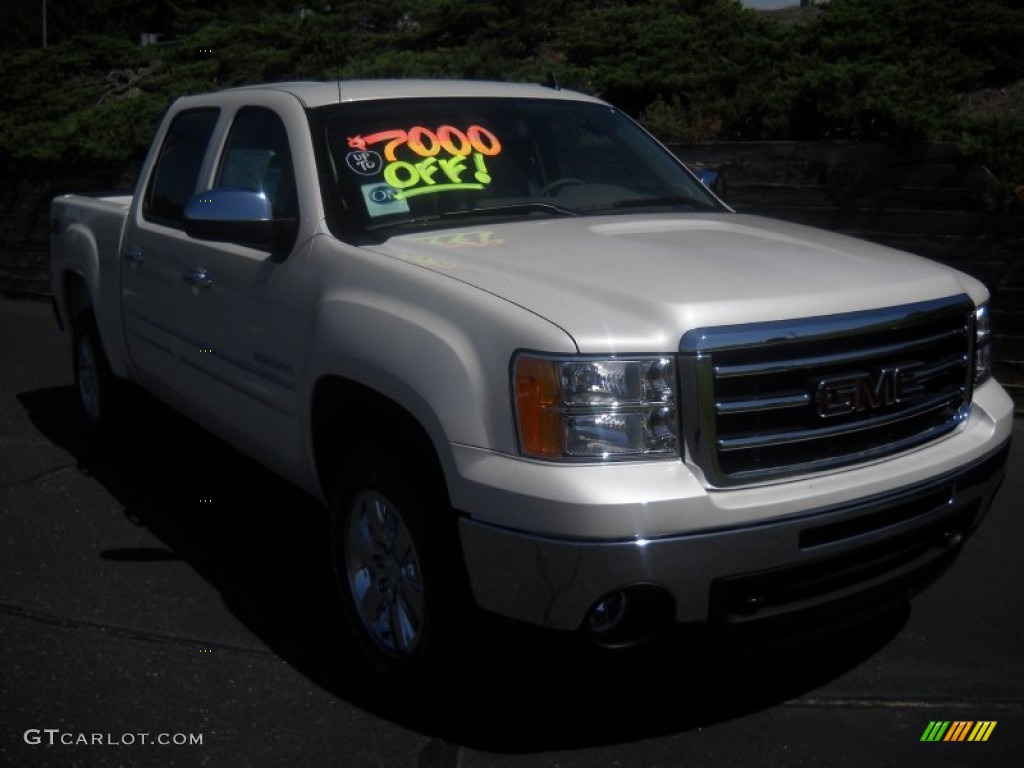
(637,283)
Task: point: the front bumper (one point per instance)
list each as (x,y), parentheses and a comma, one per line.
(743,572)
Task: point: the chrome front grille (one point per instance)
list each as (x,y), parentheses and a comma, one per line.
(767,400)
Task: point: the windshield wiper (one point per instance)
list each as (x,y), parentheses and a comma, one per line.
(643,202)
(492,210)
(531,207)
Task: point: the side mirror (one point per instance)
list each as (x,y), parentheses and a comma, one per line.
(239,216)
(708,177)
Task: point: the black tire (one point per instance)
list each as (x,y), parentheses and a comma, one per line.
(400,574)
(96,396)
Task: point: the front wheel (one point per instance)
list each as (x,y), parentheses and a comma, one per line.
(384,574)
(400,574)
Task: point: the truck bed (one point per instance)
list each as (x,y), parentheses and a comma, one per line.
(85,240)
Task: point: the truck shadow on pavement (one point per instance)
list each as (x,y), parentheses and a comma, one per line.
(263,545)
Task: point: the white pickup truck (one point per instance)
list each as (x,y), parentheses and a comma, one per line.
(532,364)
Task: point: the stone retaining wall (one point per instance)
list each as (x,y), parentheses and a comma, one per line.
(928,200)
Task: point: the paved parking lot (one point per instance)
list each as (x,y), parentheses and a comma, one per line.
(172,591)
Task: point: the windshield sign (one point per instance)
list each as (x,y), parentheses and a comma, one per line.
(427,162)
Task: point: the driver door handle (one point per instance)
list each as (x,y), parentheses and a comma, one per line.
(198,278)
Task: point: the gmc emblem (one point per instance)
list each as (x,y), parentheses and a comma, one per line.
(859,392)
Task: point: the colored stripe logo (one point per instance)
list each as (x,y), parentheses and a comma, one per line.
(958,730)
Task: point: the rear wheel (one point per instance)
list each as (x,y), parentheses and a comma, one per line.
(95,384)
(400,573)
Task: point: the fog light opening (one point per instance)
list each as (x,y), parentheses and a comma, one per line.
(608,613)
(630,616)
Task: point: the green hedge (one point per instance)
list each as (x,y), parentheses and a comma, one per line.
(880,70)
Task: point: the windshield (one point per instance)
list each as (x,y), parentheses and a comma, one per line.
(425,162)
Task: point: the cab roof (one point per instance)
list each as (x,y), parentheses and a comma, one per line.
(322,93)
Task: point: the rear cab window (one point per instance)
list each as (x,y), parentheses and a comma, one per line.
(176,172)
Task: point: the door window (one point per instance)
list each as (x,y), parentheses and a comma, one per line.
(257,158)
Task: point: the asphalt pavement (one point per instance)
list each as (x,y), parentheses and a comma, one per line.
(167,602)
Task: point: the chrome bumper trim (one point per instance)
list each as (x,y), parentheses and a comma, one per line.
(554,582)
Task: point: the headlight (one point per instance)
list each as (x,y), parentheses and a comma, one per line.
(584,408)
(982,345)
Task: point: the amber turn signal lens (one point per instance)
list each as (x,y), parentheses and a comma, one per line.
(538,395)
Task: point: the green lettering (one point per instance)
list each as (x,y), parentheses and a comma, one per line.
(401,174)
(427,168)
(481,170)
(453,168)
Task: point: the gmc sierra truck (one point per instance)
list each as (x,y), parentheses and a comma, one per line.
(532,365)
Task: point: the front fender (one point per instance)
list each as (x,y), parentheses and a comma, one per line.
(436,346)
